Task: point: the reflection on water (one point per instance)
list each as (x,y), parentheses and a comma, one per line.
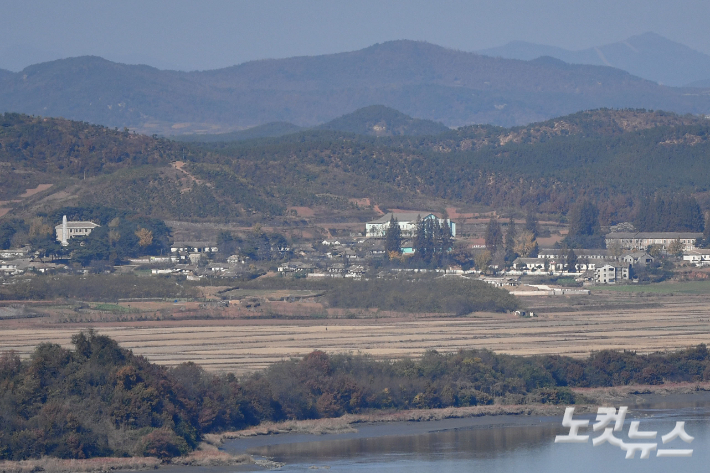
(512,444)
(500,449)
(479,442)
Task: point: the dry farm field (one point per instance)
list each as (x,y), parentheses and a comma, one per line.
(575,326)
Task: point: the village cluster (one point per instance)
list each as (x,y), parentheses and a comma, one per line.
(359,254)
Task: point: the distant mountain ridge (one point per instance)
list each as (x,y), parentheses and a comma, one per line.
(375,120)
(703,84)
(419,79)
(267,130)
(648,55)
(378,120)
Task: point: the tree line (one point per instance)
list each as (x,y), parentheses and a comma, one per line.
(669,213)
(100,399)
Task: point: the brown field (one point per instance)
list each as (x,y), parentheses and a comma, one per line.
(303,211)
(244,340)
(36,190)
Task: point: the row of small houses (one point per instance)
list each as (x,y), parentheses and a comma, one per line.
(335,270)
(642,240)
(20,266)
(605,271)
(606,267)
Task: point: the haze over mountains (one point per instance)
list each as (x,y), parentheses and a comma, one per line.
(419,79)
(648,55)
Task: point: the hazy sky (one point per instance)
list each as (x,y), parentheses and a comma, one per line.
(207,34)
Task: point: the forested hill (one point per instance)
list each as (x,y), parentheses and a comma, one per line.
(613,157)
(378,120)
(420,79)
(73,148)
(375,120)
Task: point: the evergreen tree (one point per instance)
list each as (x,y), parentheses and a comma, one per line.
(584,229)
(531,223)
(442,241)
(446,241)
(678,213)
(571,261)
(419,238)
(584,220)
(432,241)
(393,237)
(494,236)
(510,237)
(431,233)
(705,240)
(227,243)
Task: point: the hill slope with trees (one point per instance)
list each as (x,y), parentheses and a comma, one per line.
(615,158)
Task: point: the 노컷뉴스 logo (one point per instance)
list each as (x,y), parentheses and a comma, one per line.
(605,416)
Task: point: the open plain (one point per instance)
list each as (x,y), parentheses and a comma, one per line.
(240,343)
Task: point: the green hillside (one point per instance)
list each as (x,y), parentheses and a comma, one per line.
(378,120)
(613,157)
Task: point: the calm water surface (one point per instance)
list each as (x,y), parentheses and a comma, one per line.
(510,444)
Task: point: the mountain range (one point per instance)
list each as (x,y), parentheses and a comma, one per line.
(420,79)
(648,55)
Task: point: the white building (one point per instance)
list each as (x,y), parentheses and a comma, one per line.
(407,223)
(698,257)
(611,273)
(68,230)
(194,247)
(642,240)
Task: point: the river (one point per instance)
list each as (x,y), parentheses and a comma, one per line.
(487,444)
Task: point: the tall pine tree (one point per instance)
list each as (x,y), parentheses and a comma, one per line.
(494,236)
(393,237)
(419,238)
(510,236)
(531,223)
(571,261)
